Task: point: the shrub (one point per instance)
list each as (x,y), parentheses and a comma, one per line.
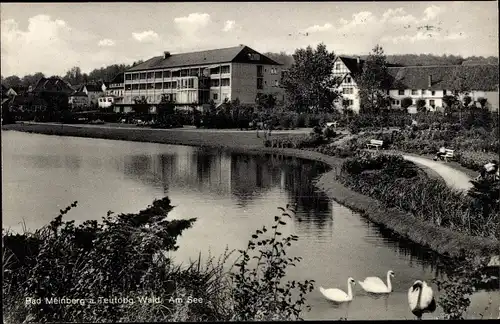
(395,183)
(329,132)
(259,292)
(124,258)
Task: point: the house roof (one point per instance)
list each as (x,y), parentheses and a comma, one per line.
(215,56)
(53,84)
(92,87)
(78,94)
(119,78)
(352,64)
(475,77)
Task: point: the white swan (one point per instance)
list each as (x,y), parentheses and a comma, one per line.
(376,285)
(337,295)
(421,299)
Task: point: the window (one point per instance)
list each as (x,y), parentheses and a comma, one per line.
(397,102)
(135,76)
(142,76)
(128,87)
(184,72)
(276,83)
(433,93)
(214,70)
(225,69)
(347,90)
(142,86)
(158,75)
(194,72)
(135,86)
(337,67)
(432,103)
(173,84)
(216,96)
(401,92)
(110,100)
(150,75)
(166,74)
(191,83)
(166,85)
(444,92)
(414,92)
(214,82)
(348,80)
(259,83)
(176,74)
(260,71)
(151,85)
(128,76)
(158,85)
(225,82)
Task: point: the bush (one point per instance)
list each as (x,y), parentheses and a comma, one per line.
(329,132)
(396,183)
(124,258)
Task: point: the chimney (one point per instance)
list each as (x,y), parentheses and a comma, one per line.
(430,80)
(166,55)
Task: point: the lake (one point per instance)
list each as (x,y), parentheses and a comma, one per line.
(231,195)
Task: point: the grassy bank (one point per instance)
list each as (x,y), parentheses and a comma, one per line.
(118,270)
(442,240)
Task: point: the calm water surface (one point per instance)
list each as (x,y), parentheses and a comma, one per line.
(231,195)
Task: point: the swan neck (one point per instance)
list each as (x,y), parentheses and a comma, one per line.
(389,284)
(349,290)
(419,297)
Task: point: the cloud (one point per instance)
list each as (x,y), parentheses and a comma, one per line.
(432,12)
(228,25)
(425,36)
(145,36)
(106,42)
(358,19)
(191,23)
(318,28)
(397,16)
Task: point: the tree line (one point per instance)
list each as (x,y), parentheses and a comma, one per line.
(73,76)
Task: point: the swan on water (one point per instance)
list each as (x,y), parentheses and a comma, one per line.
(338,295)
(421,299)
(376,285)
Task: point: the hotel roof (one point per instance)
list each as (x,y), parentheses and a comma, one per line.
(239,54)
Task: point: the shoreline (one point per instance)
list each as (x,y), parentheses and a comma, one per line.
(441,240)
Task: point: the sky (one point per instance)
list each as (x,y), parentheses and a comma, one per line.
(53,37)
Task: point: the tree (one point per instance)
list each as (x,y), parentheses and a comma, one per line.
(406,102)
(141,105)
(309,82)
(31,80)
(421,105)
(11,81)
(373,82)
(74,76)
(266,101)
(460,88)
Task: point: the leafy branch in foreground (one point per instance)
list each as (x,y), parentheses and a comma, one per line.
(259,292)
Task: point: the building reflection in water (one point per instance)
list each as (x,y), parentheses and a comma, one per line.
(246,178)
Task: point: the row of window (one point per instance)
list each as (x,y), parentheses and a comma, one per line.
(424,92)
(348,90)
(431,102)
(180,84)
(104,99)
(176,73)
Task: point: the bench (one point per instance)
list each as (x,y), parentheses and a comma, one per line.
(375,143)
(449,154)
